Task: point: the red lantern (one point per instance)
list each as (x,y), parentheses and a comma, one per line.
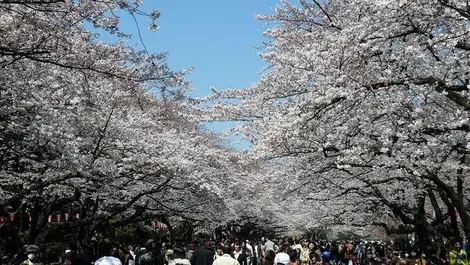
(59,216)
(49,219)
(12,217)
(66,217)
(160,226)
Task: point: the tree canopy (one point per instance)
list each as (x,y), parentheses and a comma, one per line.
(363,113)
(359,121)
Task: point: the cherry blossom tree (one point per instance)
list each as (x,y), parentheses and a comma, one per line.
(366,104)
(100,129)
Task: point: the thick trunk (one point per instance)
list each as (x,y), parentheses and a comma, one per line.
(423,229)
(452,214)
(455,200)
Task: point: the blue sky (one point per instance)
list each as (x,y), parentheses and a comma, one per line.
(219,38)
(216,37)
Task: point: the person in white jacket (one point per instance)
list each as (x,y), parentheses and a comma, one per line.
(226,259)
(252,254)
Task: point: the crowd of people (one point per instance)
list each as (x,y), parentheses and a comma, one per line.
(245,252)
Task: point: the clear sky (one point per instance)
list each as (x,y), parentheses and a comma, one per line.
(219,38)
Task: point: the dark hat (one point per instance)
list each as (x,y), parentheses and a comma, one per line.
(32,249)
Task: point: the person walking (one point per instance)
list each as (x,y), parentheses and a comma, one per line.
(282,258)
(204,255)
(32,253)
(240,254)
(250,252)
(458,256)
(226,259)
(179,258)
(304,254)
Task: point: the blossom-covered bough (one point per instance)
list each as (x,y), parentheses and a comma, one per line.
(364,112)
(81,133)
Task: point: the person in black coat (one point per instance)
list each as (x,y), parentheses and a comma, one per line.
(204,255)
